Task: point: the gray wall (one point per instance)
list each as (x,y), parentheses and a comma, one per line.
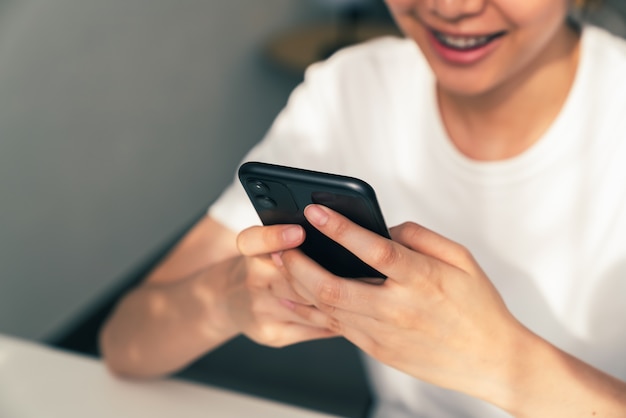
(120,120)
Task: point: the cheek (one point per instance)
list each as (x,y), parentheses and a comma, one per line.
(536,22)
(530,13)
(400,6)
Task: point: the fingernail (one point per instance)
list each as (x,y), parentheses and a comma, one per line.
(316,215)
(292,234)
(278,262)
(287,303)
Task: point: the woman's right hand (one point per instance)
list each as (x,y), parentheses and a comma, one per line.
(259,301)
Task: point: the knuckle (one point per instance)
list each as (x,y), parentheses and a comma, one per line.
(464,259)
(411,230)
(428,268)
(400,317)
(329,293)
(407,232)
(464,253)
(341,229)
(385,254)
(334,325)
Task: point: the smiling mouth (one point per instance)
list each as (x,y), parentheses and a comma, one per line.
(465,43)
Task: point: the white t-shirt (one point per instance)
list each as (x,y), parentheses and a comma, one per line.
(547,226)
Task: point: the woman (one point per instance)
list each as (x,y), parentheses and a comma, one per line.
(503,131)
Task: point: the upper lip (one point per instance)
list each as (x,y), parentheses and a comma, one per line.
(466,34)
(455,31)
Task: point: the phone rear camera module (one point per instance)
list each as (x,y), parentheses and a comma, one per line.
(258,187)
(265,202)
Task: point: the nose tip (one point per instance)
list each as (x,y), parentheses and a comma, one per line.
(455,9)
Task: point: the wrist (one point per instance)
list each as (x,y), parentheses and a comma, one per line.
(506,377)
(528,363)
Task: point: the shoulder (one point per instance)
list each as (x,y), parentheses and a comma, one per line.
(602,72)
(378,63)
(604,52)
(600,95)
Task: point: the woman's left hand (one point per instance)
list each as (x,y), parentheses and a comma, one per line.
(437,316)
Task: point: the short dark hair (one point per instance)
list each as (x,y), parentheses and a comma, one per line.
(584,4)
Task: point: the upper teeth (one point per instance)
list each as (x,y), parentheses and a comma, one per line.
(462,42)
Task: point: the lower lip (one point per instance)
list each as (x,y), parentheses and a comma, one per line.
(456,57)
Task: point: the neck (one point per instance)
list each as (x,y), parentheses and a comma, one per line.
(510,118)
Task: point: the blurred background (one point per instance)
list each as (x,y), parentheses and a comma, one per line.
(122,120)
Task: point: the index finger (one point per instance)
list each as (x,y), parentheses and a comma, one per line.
(390,258)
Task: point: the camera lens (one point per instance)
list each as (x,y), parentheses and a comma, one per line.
(265,202)
(258,187)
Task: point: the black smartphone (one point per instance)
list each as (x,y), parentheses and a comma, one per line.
(279,194)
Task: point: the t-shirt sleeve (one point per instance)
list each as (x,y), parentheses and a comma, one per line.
(333,121)
(300,136)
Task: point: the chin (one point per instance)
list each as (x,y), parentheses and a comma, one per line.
(473,80)
(465,86)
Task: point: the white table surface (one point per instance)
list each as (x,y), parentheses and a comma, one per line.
(37,381)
